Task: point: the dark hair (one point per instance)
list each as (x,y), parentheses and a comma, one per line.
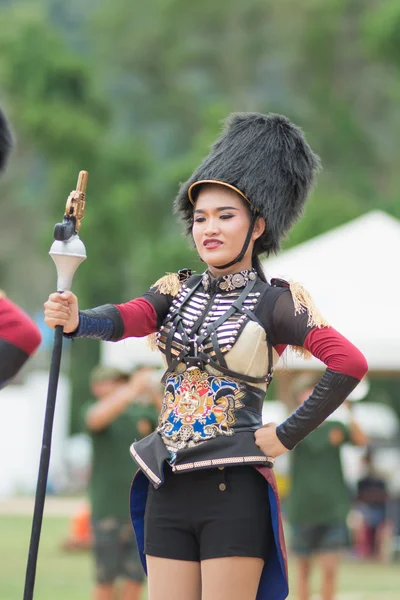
(257,248)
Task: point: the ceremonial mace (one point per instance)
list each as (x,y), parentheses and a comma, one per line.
(67,251)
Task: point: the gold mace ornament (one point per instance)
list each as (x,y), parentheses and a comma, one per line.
(76,201)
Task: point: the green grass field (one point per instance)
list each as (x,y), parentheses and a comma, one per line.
(68,576)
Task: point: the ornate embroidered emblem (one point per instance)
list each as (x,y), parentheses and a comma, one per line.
(229,283)
(198,406)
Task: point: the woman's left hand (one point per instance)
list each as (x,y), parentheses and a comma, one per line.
(268,441)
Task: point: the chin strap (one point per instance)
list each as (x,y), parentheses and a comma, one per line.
(245,245)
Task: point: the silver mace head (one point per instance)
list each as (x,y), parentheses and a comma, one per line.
(67,255)
(68,250)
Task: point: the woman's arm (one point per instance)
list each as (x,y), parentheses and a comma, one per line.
(113,322)
(19,338)
(110,322)
(346,366)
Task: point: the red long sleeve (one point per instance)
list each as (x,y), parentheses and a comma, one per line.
(139,317)
(17,328)
(338,354)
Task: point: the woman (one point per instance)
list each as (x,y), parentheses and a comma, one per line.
(209,526)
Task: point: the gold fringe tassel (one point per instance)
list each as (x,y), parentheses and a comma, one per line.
(303,302)
(168,285)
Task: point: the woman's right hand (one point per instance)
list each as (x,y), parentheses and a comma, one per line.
(62,309)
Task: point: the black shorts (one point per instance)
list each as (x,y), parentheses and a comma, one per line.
(211,513)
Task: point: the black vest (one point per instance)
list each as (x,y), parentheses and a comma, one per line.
(210,410)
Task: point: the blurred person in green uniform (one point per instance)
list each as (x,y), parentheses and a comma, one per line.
(124,408)
(319,500)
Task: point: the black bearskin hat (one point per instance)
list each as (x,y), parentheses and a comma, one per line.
(5,140)
(267,160)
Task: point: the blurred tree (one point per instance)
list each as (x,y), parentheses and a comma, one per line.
(310,60)
(135,92)
(61,119)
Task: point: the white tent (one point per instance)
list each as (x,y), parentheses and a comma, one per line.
(352,272)
(21,427)
(129,353)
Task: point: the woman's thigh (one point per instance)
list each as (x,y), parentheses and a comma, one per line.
(231,578)
(177,579)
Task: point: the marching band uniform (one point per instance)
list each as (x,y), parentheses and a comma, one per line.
(213,492)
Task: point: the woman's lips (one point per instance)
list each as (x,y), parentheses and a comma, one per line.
(212,244)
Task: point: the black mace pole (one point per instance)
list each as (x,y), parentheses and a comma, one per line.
(44,464)
(68,251)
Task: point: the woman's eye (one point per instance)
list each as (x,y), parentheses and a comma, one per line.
(202,219)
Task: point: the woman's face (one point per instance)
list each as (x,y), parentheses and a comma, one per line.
(220,225)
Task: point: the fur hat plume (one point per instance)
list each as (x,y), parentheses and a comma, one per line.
(5,140)
(266,159)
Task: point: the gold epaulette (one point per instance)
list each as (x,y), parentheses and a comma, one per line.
(171,283)
(168,285)
(303,302)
